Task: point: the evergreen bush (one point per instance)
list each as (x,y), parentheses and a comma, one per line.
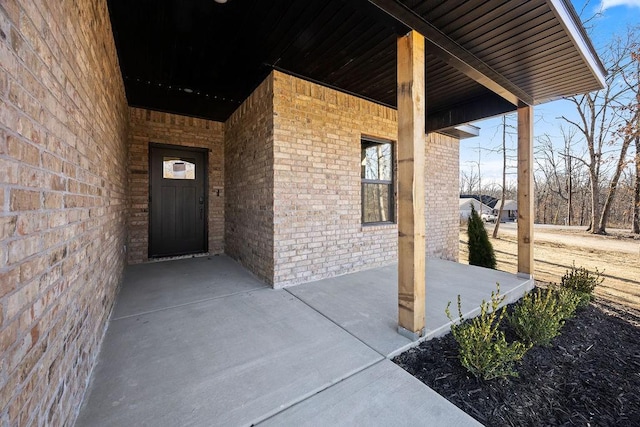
(480,249)
(483,349)
(539,315)
(582,282)
(568,300)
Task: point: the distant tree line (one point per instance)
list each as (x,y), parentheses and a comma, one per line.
(551,198)
(563,194)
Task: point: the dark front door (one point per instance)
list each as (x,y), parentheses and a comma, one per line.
(177,206)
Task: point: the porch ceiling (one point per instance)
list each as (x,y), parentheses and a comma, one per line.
(201,58)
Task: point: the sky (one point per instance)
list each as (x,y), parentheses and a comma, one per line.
(616,16)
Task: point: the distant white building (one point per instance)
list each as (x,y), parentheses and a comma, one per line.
(465,207)
(509,212)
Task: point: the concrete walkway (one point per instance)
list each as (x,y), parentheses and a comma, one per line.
(201,342)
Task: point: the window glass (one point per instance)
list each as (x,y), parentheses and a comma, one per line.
(377,182)
(376,202)
(376,161)
(176,168)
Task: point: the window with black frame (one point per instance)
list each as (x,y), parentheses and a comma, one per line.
(377,182)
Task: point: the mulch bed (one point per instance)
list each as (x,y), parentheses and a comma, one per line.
(590,375)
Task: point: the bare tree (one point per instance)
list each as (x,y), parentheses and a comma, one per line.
(468,181)
(636,198)
(552,166)
(504,176)
(561,184)
(600,120)
(629,114)
(568,136)
(633,130)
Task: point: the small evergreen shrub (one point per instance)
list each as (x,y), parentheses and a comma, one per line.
(539,315)
(480,249)
(483,349)
(568,300)
(582,282)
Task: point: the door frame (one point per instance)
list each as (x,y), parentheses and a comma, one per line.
(205,152)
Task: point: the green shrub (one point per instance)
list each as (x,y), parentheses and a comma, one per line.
(568,300)
(539,315)
(582,282)
(484,351)
(480,249)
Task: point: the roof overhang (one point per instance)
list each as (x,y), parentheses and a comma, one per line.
(201,58)
(453,54)
(570,20)
(463,131)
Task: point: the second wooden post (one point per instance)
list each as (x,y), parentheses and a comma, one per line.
(411,181)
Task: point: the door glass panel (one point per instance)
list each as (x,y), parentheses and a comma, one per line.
(176,168)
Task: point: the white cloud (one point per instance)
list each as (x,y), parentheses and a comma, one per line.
(607,4)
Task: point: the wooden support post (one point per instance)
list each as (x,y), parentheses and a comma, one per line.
(411,163)
(525,191)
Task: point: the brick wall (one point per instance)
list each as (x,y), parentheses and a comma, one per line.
(292,182)
(442,216)
(317,201)
(153,126)
(248,153)
(292,202)
(62,202)
(318,230)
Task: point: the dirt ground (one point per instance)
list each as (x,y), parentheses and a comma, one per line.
(556,248)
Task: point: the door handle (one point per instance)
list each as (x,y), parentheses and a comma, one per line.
(201,213)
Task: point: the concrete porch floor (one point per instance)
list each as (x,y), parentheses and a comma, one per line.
(202,342)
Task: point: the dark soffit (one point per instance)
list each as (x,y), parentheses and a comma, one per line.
(200,58)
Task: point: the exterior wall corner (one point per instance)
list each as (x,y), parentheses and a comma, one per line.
(249,183)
